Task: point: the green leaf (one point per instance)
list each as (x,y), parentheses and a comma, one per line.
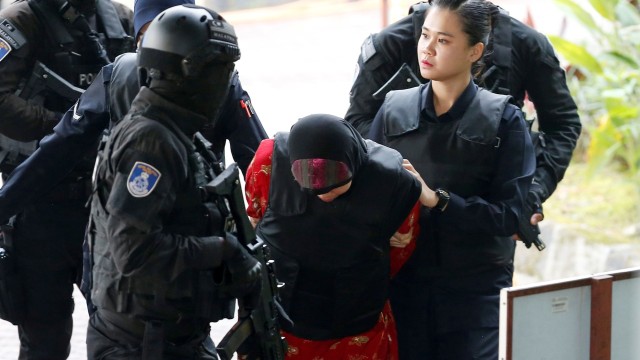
(606,8)
(616,55)
(622,114)
(575,54)
(579,14)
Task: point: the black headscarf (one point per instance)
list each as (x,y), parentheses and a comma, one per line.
(320,137)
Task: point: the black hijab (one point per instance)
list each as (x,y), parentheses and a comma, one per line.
(319,137)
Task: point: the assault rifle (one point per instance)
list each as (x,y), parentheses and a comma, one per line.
(13,152)
(44,78)
(257,330)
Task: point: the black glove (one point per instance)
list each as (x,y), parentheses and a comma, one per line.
(245,271)
(534,200)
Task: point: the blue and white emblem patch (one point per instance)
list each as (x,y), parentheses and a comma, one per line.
(5,48)
(143,178)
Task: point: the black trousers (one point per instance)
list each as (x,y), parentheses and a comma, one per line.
(48,244)
(449,318)
(107,340)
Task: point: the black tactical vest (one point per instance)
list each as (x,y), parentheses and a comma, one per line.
(193,293)
(332,257)
(72,55)
(68,54)
(459,156)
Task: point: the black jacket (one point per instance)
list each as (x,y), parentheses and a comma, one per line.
(154,242)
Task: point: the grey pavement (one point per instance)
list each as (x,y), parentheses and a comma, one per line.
(10,345)
(294,63)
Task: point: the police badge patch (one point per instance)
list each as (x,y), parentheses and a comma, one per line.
(143,178)
(5,49)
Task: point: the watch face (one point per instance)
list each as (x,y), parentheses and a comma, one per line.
(443,199)
(442,193)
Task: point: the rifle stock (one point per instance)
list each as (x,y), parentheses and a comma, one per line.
(13,152)
(44,78)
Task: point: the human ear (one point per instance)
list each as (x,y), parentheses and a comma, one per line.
(476,52)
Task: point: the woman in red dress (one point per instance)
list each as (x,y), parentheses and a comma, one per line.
(324,137)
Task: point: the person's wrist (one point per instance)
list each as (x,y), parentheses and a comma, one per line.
(429,198)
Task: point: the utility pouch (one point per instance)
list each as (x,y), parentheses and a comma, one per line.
(12,298)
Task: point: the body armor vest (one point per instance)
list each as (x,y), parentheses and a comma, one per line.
(193,294)
(74,55)
(332,257)
(459,156)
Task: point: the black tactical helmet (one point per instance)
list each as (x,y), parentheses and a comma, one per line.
(183,39)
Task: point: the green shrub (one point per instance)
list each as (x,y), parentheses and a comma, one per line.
(605,82)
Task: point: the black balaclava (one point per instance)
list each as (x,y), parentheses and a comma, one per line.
(325,152)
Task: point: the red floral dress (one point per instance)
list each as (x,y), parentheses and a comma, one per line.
(380,342)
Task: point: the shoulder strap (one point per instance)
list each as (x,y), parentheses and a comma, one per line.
(402,111)
(51,19)
(489,109)
(202,159)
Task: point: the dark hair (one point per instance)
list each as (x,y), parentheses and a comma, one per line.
(477,18)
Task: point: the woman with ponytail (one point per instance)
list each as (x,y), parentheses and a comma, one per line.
(474,152)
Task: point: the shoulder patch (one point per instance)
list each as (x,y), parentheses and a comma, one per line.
(368,49)
(5,49)
(11,34)
(142,179)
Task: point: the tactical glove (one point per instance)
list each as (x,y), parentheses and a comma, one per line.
(245,270)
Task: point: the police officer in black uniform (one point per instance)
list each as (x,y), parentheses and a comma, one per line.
(157,242)
(474,152)
(51,50)
(108,99)
(521,62)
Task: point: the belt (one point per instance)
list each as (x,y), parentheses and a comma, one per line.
(172,332)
